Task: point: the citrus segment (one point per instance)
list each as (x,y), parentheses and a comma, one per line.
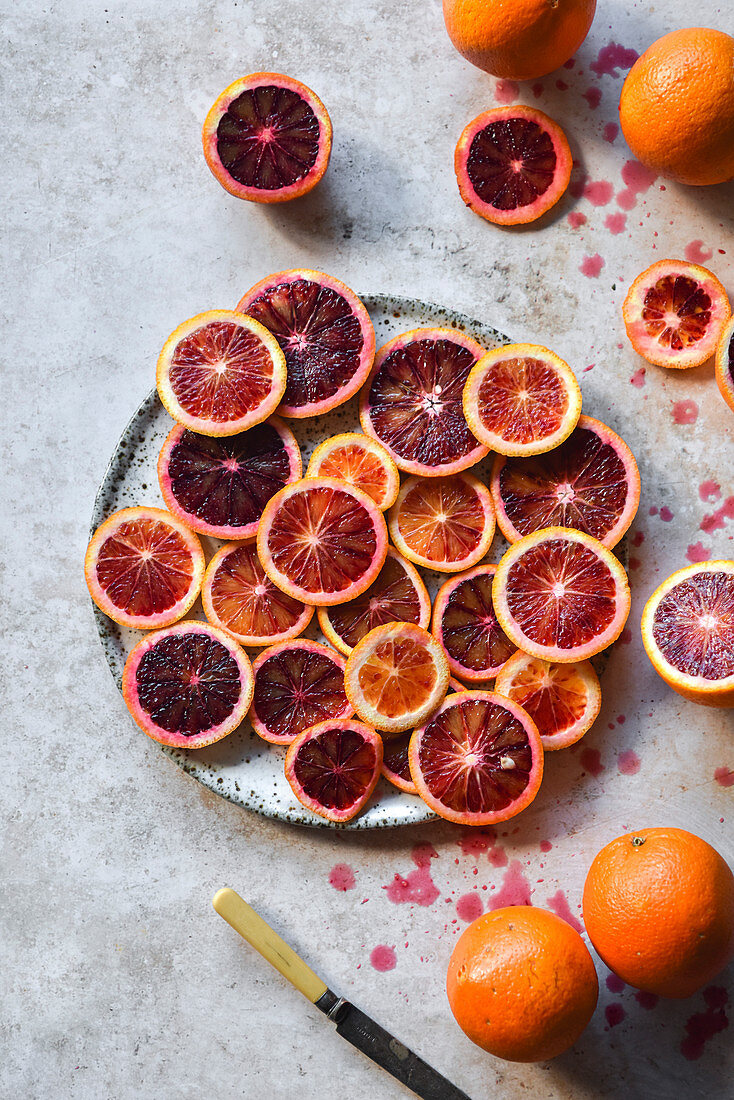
(560,595)
(512,164)
(240,598)
(562,699)
(590,482)
(396,676)
(267,138)
(396,595)
(395,764)
(333,768)
(361,461)
(297,684)
(187,686)
(465,624)
(674,313)
(220,373)
(144,568)
(411,402)
(219,487)
(324,332)
(522,399)
(688,632)
(446,524)
(725,363)
(322,541)
(478,759)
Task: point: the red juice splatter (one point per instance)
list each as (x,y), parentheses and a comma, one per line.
(697,552)
(638,378)
(598,192)
(702,1026)
(647,1000)
(665,514)
(709,491)
(635,563)
(592,96)
(570,63)
(621,718)
(576,218)
(626,636)
(628,762)
(614,1013)
(696,253)
(506,91)
(638,538)
(417,887)
(537,90)
(615,223)
(341,877)
(559,905)
(577,184)
(515,889)
(615,983)
(685,412)
(477,842)
(591,266)
(498,857)
(612,58)
(716,519)
(724,777)
(591,762)
(626,199)
(610,131)
(562,85)
(637,177)
(653,511)
(545,846)
(469,907)
(383,957)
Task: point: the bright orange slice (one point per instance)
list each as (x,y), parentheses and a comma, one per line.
(443,523)
(521,399)
(725,363)
(562,700)
(221,372)
(333,768)
(361,461)
(396,676)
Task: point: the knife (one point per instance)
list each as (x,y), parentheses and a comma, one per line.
(351,1023)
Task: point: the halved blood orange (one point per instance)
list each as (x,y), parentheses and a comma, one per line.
(322,541)
(187,686)
(144,568)
(240,598)
(522,399)
(512,164)
(591,482)
(465,624)
(324,332)
(297,684)
(674,313)
(220,486)
(563,700)
(444,523)
(725,363)
(267,138)
(560,595)
(395,764)
(478,760)
(333,768)
(361,461)
(397,595)
(411,402)
(219,373)
(396,676)
(688,632)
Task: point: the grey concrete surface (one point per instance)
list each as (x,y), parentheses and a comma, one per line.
(118,980)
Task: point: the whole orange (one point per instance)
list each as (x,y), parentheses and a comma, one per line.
(522,984)
(659,909)
(518,39)
(677,106)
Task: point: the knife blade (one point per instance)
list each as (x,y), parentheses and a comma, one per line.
(351,1023)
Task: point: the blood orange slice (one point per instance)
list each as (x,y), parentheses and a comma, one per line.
(562,700)
(522,399)
(267,138)
(688,632)
(239,598)
(395,764)
(297,684)
(324,331)
(221,486)
(396,676)
(333,768)
(144,568)
(187,686)
(560,595)
(725,363)
(478,760)
(220,373)
(322,541)
(674,313)
(361,461)
(465,624)
(396,595)
(512,164)
(591,482)
(445,523)
(411,402)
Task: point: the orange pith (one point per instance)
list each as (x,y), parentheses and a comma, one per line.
(445,524)
(362,462)
(562,699)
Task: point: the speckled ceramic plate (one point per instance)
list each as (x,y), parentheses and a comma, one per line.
(242,767)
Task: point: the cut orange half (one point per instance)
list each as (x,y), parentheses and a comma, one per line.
(563,700)
(220,372)
(333,768)
(361,461)
(522,399)
(444,523)
(688,632)
(560,595)
(725,363)
(465,624)
(396,676)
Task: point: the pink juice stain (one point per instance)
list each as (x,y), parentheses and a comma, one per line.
(469,907)
(545,846)
(498,857)
(506,91)
(591,762)
(591,266)
(417,887)
(612,58)
(537,90)
(638,538)
(341,877)
(709,491)
(697,552)
(638,179)
(383,957)
(615,223)
(716,520)
(614,983)
(559,904)
(724,777)
(477,842)
(665,514)
(702,1026)
(638,378)
(628,762)
(696,253)
(610,131)
(645,999)
(614,1013)
(685,412)
(592,96)
(598,192)
(576,218)
(515,889)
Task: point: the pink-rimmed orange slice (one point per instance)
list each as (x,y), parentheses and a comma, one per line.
(465,624)
(298,684)
(561,595)
(725,363)
(411,402)
(144,568)
(333,768)
(361,461)
(322,541)
(563,700)
(395,763)
(478,760)
(240,598)
(446,524)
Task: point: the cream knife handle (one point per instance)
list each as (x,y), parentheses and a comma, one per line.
(243,918)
